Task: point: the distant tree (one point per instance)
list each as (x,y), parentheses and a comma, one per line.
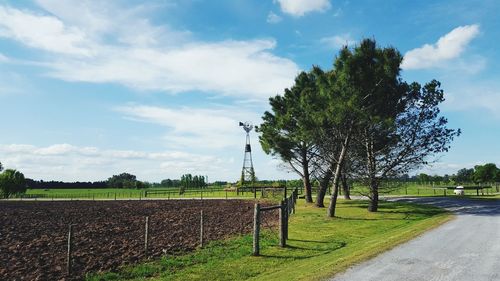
(1,167)
(464,175)
(123,180)
(485,173)
(12,182)
(423,178)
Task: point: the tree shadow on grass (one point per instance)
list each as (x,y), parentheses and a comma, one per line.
(315,251)
(313,241)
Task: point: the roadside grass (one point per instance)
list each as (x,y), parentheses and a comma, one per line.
(420,190)
(484,197)
(318,248)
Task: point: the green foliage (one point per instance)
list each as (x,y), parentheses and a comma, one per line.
(486,173)
(124,180)
(12,182)
(285,131)
(189,181)
(170,183)
(464,175)
(1,167)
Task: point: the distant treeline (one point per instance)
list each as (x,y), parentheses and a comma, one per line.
(40,184)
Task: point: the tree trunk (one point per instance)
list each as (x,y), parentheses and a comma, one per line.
(372,175)
(345,187)
(373,206)
(335,185)
(307,182)
(323,186)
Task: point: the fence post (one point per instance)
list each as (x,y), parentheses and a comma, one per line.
(282,218)
(256,229)
(68,256)
(201,228)
(226,194)
(146,234)
(115,196)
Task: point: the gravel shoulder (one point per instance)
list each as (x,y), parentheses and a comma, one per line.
(466,248)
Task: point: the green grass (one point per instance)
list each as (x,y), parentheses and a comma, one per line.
(318,246)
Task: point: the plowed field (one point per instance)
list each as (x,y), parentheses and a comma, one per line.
(107,234)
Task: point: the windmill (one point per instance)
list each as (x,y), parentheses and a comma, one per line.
(247,172)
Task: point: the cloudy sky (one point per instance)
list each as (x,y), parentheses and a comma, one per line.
(93,88)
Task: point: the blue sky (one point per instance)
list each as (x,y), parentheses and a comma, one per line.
(89,89)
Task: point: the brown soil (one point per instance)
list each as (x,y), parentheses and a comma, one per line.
(108,234)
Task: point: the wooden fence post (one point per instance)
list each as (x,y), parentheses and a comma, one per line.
(256,229)
(68,256)
(282,218)
(146,234)
(201,228)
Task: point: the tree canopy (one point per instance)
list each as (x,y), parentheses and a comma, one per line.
(123,180)
(360,117)
(285,131)
(486,173)
(12,182)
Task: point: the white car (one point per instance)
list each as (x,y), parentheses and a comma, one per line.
(459,190)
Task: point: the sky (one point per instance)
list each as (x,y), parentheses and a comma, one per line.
(89,89)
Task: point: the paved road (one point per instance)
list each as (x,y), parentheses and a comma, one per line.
(464,249)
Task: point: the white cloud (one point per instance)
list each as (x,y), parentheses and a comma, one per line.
(338,41)
(68,162)
(448,47)
(109,45)
(273,18)
(42,32)
(237,68)
(299,8)
(194,128)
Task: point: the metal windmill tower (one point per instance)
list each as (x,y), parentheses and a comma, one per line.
(247,172)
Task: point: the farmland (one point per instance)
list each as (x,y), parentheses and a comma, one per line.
(318,246)
(108,234)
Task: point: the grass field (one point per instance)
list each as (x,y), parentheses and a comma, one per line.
(413,189)
(318,247)
(110,193)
